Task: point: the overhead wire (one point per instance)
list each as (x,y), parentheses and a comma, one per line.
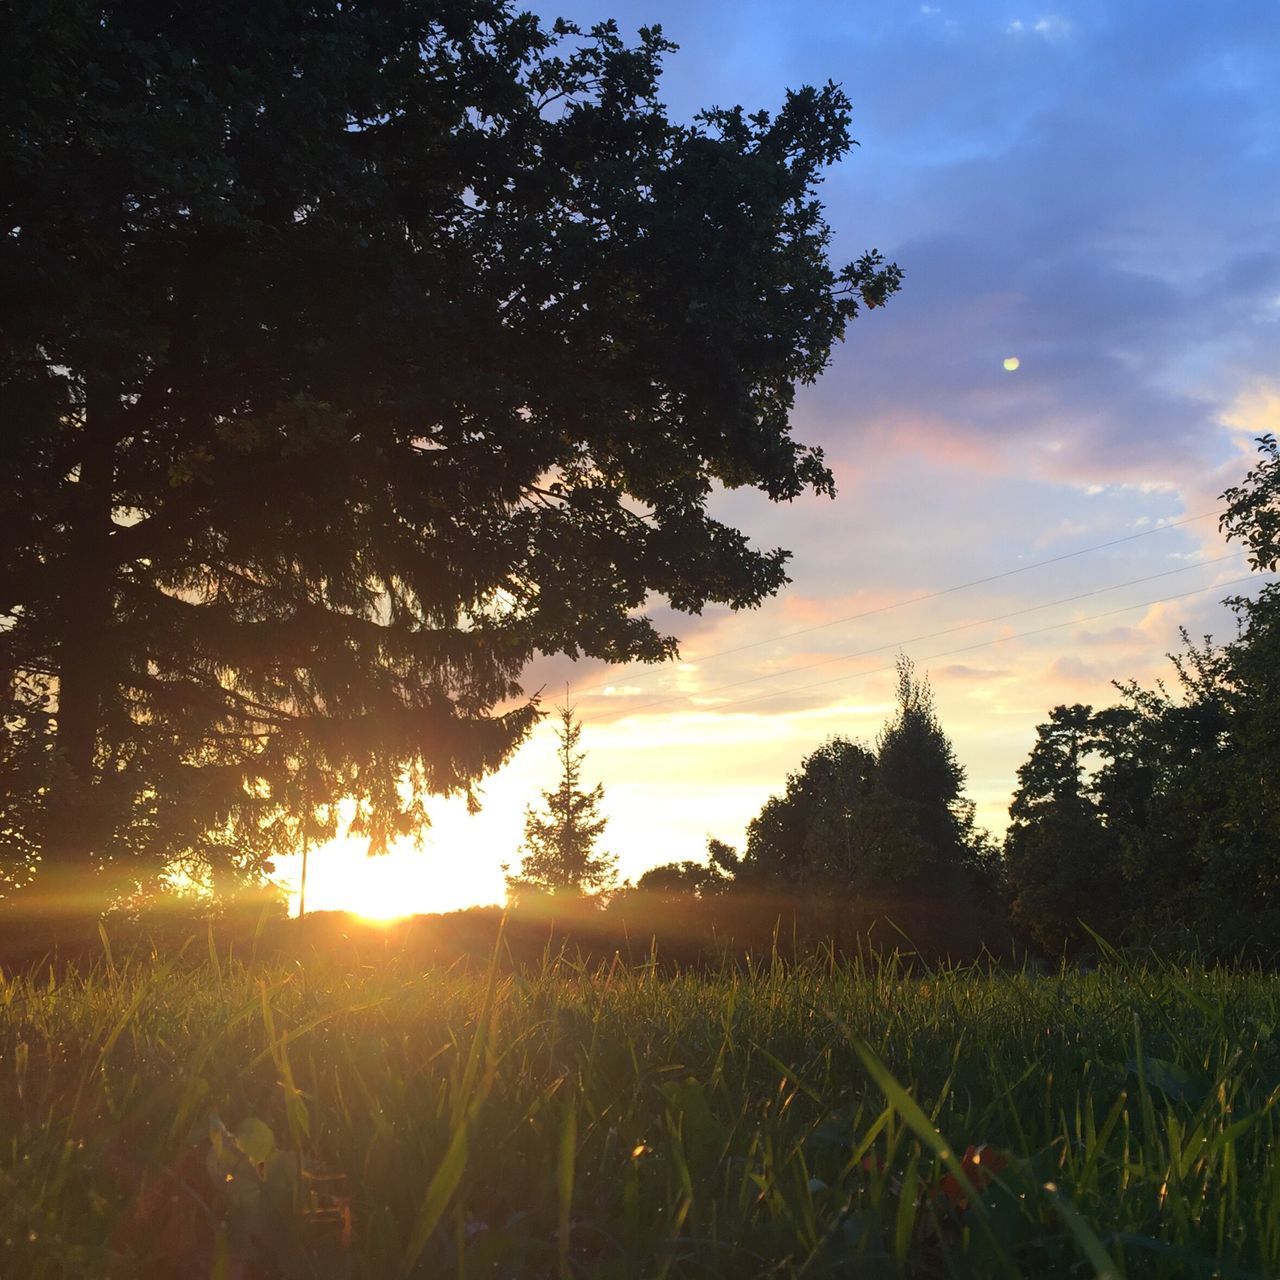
(933,635)
(929,595)
(625,713)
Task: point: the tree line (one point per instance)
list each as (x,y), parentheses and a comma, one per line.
(1155,820)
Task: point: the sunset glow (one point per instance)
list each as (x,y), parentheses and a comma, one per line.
(447,873)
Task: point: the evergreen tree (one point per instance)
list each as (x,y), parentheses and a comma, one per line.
(833,829)
(1060,864)
(889,823)
(917,766)
(559,855)
(351,354)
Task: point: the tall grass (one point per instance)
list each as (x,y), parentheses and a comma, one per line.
(204,1117)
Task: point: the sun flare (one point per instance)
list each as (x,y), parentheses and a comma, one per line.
(457,867)
(382,898)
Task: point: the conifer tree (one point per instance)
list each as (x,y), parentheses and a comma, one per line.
(559,855)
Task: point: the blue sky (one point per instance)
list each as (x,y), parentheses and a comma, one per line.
(1091,188)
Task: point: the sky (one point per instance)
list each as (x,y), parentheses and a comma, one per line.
(1088,189)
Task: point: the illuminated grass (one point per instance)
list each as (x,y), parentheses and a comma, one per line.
(780,1121)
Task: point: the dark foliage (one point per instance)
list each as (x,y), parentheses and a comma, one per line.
(560,854)
(887,832)
(680,880)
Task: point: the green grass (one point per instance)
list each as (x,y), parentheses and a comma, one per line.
(205,1118)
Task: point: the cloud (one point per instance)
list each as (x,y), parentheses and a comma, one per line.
(960,672)
(1050,27)
(805,610)
(1112,637)
(1072,670)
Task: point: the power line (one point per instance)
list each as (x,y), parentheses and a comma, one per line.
(947,653)
(933,635)
(930,595)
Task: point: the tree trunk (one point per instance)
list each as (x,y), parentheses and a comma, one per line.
(75,828)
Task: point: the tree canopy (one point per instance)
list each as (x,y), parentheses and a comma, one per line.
(886,824)
(350,356)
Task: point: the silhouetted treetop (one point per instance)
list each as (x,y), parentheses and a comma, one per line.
(560,854)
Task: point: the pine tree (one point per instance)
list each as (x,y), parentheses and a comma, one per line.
(559,854)
(1060,859)
(918,763)
(917,766)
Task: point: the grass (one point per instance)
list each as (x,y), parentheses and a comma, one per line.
(204,1117)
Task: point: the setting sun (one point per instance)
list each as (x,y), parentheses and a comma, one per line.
(384,892)
(457,866)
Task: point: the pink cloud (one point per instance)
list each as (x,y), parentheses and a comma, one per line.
(806,610)
(944,441)
(964,674)
(1072,670)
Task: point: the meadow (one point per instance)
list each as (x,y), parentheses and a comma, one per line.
(336,1116)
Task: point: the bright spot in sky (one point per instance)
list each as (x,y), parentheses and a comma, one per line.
(459,866)
(1011,363)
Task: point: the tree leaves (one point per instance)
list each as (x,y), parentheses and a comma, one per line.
(392,346)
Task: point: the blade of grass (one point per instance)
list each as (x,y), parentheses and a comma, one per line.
(909,1109)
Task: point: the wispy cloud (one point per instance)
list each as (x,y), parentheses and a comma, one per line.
(1050,27)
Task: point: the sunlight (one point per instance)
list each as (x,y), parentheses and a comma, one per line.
(385,892)
(458,866)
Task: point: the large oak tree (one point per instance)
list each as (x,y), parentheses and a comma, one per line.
(351,354)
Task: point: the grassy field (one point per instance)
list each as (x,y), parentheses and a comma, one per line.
(201,1117)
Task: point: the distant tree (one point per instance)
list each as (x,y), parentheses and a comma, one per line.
(349,356)
(1171,846)
(893,823)
(1206,859)
(917,766)
(1054,774)
(1170,833)
(1060,864)
(559,855)
(833,828)
(689,879)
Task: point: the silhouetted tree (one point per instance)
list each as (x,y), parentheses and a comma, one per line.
(831,829)
(834,829)
(917,766)
(1253,663)
(1059,862)
(1253,508)
(887,825)
(689,879)
(1172,835)
(349,356)
(559,854)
